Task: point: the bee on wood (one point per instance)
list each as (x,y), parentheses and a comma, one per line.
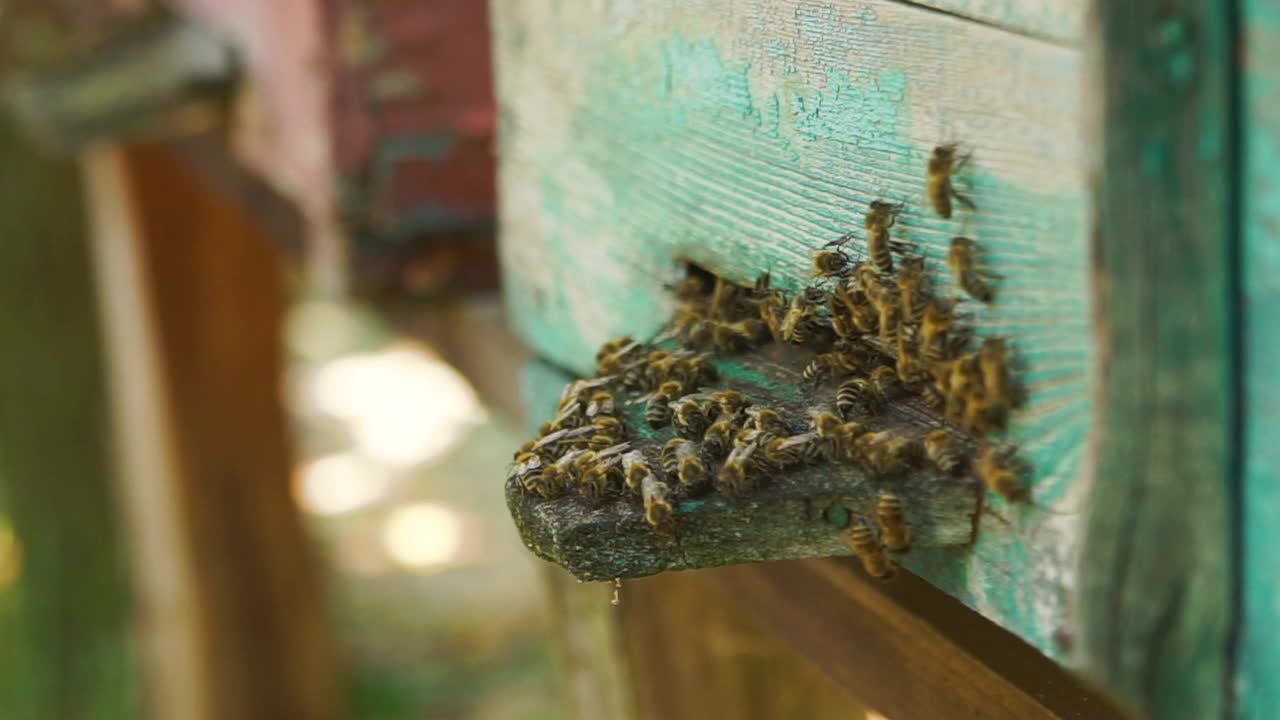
(657,503)
(695,371)
(691,328)
(681,460)
(880,217)
(911,293)
(724,297)
(559,476)
(601,403)
(766,420)
(615,361)
(718,439)
(862,541)
(838,436)
(738,336)
(962,259)
(933,397)
(938,318)
(801,320)
(997,470)
(887,452)
(908,365)
(693,287)
(893,524)
(942,451)
(831,264)
(603,474)
(736,473)
(978,413)
(527,470)
(854,305)
(890,321)
(824,364)
(635,467)
(885,381)
(802,449)
(963,382)
(993,362)
(688,417)
(858,392)
(943,164)
(730,402)
(657,411)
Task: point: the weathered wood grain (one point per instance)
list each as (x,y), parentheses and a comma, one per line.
(743,136)
(1258,658)
(1058,20)
(798,513)
(65,622)
(1158,586)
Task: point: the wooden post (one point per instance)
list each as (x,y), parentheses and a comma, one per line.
(233,619)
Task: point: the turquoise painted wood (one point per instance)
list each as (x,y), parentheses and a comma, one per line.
(745,135)
(1258,660)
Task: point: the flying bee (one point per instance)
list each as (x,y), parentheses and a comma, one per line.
(601,403)
(801,319)
(911,293)
(892,522)
(962,260)
(805,448)
(718,439)
(890,321)
(772,308)
(767,421)
(736,473)
(880,217)
(681,460)
(963,381)
(688,417)
(831,264)
(657,411)
(996,468)
(942,451)
(907,364)
(978,413)
(944,163)
(993,361)
(858,392)
(862,541)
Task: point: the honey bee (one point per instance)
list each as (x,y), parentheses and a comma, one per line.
(615,354)
(911,289)
(694,286)
(998,472)
(943,163)
(681,460)
(858,392)
(688,417)
(937,321)
(857,308)
(893,525)
(801,320)
(657,411)
(885,380)
(826,363)
(718,439)
(772,308)
(890,320)
(731,402)
(942,451)
(977,413)
(862,541)
(601,403)
(831,263)
(880,217)
(691,327)
(736,473)
(933,397)
(738,336)
(887,452)
(962,260)
(635,468)
(601,475)
(767,421)
(695,371)
(963,381)
(838,436)
(559,476)
(724,296)
(907,364)
(799,449)
(657,504)
(609,426)
(527,470)
(993,361)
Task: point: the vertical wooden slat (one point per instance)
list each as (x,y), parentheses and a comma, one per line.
(64,650)
(234,621)
(1259,658)
(1157,578)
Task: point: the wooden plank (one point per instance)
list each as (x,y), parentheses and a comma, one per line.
(1061,21)
(233,623)
(1258,659)
(65,620)
(1158,587)
(743,136)
(698,654)
(903,647)
(802,512)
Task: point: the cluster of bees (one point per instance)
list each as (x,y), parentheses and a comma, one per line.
(876,329)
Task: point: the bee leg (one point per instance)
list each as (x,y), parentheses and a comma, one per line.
(963,200)
(840,241)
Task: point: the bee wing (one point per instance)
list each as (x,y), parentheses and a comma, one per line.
(562,434)
(798,440)
(613,453)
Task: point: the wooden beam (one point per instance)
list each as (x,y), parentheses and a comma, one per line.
(233,616)
(1158,585)
(66,651)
